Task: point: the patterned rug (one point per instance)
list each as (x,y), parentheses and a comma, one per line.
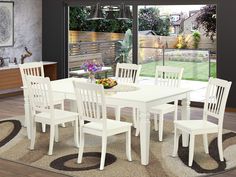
(14,146)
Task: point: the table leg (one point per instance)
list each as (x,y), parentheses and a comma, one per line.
(185,116)
(144,137)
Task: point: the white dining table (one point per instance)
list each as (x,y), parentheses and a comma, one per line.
(143,98)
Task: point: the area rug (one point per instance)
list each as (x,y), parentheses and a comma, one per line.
(14,146)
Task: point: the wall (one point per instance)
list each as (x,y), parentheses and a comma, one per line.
(27,30)
(54,40)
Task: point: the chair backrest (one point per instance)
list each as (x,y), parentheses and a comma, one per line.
(40,94)
(91,102)
(216,97)
(33,69)
(168,76)
(127,73)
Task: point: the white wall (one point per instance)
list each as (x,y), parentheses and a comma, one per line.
(27,30)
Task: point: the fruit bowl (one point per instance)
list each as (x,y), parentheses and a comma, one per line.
(107,82)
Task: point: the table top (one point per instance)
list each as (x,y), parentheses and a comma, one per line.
(144,93)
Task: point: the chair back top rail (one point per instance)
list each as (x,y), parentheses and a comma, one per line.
(32,68)
(127,73)
(40,94)
(168,76)
(216,98)
(91,102)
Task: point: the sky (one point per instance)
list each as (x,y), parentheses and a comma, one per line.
(167,9)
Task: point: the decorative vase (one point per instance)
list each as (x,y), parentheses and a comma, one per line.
(91,77)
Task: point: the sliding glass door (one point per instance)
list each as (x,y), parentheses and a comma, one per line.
(101,31)
(175,36)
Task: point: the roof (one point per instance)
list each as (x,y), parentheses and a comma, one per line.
(147,32)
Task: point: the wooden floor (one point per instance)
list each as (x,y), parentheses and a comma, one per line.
(14,106)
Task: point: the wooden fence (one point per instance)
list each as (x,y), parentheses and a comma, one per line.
(84,42)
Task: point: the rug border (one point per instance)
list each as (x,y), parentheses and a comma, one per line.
(28,165)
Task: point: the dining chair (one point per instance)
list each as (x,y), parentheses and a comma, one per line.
(92,108)
(165,76)
(214,106)
(127,73)
(36,69)
(43,111)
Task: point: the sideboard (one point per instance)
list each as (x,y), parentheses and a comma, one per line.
(10,78)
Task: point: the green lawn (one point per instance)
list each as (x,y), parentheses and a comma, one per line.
(192,70)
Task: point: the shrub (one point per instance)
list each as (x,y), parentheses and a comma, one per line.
(196,39)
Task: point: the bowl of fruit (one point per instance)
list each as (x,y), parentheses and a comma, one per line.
(107,82)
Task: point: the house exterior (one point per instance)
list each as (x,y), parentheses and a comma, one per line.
(176,21)
(190,24)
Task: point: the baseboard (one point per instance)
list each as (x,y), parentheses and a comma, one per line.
(230,109)
(5,95)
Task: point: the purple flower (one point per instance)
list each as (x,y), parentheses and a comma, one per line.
(91,66)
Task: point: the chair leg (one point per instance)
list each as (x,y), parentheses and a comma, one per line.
(176,111)
(104,149)
(28,127)
(81,147)
(43,128)
(205,143)
(134,117)
(63,108)
(155,122)
(176,142)
(51,141)
(56,134)
(117,113)
(137,124)
(220,147)
(76,133)
(33,135)
(160,127)
(128,145)
(191,150)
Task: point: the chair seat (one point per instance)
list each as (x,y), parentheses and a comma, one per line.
(112,125)
(196,126)
(64,116)
(164,108)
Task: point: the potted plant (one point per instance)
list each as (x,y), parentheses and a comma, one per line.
(125,49)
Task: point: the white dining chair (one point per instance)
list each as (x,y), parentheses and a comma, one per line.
(165,76)
(36,69)
(127,73)
(214,106)
(43,111)
(92,108)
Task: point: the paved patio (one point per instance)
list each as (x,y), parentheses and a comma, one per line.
(198,87)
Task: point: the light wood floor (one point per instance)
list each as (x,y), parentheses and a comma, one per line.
(14,106)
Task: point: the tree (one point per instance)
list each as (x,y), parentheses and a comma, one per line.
(79,22)
(207,19)
(149,19)
(78,16)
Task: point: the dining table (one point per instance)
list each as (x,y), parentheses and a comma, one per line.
(142,97)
